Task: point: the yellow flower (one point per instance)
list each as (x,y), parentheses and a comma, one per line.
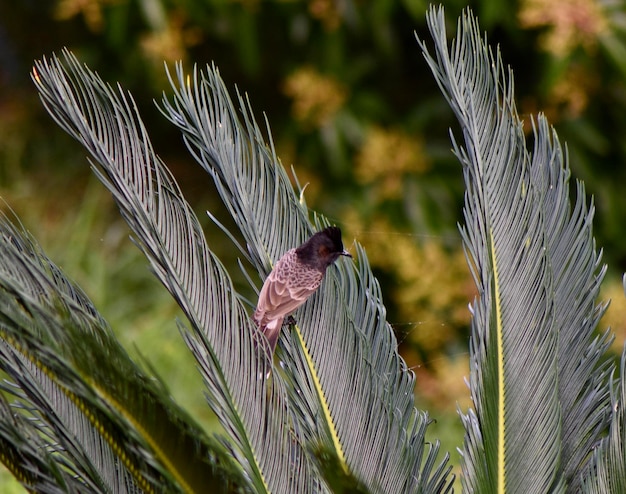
(171,41)
(615,316)
(316,98)
(385,159)
(90,9)
(570,23)
(432,284)
(572,92)
(327,11)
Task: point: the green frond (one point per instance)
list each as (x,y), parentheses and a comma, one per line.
(35,326)
(364,384)
(249,177)
(536,379)
(351,393)
(115,424)
(252,409)
(26,455)
(606,471)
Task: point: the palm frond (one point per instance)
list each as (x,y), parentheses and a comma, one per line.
(104,419)
(352,393)
(252,409)
(606,471)
(252,183)
(577,272)
(73,438)
(535,376)
(27,457)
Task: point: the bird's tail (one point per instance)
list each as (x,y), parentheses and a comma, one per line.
(271,330)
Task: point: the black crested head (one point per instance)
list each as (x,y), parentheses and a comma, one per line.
(322,249)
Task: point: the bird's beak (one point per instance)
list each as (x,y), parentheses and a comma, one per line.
(346,253)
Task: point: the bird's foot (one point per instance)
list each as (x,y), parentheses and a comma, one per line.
(290,321)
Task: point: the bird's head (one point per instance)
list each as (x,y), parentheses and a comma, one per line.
(323,248)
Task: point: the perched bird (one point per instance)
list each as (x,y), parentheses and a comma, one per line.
(297,274)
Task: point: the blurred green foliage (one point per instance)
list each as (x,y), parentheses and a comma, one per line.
(355,111)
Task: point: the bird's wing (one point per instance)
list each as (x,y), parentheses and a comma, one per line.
(279,297)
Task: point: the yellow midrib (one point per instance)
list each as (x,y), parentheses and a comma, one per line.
(500,357)
(324,404)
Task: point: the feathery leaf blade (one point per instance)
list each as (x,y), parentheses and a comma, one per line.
(222,336)
(606,471)
(366,384)
(35,320)
(85,368)
(26,455)
(253,185)
(512,443)
(523,236)
(577,273)
(342,359)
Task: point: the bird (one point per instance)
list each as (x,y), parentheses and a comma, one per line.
(294,278)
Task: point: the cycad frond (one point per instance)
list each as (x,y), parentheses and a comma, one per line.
(606,472)
(26,454)
(535,376)
(250,407)
(341,358)
(250,179)
(99,415)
